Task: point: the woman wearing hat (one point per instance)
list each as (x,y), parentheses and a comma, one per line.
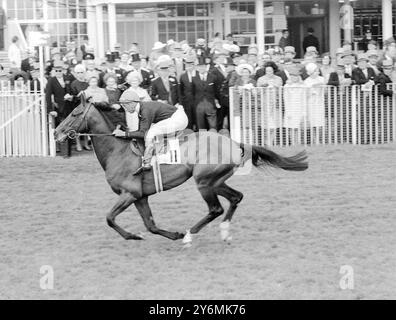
(134,79)
(315,101)
(245,76)
(94,93)
(158,50)
(326,68)
(124,63)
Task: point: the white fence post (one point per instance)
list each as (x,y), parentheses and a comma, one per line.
(353,115)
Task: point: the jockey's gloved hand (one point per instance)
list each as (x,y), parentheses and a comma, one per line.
(119,133)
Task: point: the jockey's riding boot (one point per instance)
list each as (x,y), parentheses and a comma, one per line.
(146,164)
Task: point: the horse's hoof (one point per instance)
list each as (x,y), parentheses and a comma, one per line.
(187,239)
(131,236)
(228,240)
(179,235)
(187,245)
(225,231)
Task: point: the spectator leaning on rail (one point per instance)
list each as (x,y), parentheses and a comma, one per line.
(363,73)
(326,68)
(339,77)
(384,78)
(315,101)
(294,100)
(373,56)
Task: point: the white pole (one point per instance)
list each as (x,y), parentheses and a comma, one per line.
(100,30)
(353,115)
(92,35)
(44,128)
(218,18)
(386,19)
(260,31)
(112,25)
(227,20)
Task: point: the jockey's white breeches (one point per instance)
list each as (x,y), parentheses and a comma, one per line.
(177,122)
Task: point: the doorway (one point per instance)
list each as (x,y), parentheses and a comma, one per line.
(298,30)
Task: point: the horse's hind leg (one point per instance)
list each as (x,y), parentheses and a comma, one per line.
(145,212)
(125,200)
(233,196)
(215,208)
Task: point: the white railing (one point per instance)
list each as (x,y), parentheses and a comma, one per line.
(306,116)
(23,121)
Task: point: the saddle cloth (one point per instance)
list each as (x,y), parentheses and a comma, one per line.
(167,151)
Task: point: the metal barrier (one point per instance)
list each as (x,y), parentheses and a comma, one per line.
(306,116)
(23,121)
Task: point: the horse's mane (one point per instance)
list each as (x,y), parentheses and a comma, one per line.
(112,117)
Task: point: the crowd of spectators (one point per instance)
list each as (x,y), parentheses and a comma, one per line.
(199,76)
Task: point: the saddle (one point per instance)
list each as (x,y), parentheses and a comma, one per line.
(166,151)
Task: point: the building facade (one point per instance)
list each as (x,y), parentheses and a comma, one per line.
(107,22)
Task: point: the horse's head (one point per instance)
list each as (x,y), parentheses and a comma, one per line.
(76,122)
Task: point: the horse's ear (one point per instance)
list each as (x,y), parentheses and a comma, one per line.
(83,98)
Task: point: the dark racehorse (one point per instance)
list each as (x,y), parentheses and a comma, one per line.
(119,161)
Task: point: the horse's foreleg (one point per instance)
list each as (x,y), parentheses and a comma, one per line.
(145,212)
(215,208)
(125,200)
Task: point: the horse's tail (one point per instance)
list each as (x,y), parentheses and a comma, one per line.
(261,156)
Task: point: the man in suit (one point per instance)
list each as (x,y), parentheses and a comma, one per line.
(178,59)
(363,74)
(155,119)
(185,86)
(311,40)
(58,87)
(201,48)
(147,75)
(206,97)
(165,87)
(348,58)
(221,74)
